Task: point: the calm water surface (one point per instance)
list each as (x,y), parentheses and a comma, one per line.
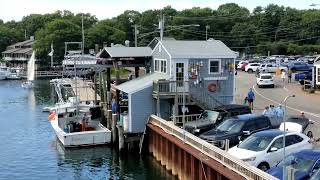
(29,148)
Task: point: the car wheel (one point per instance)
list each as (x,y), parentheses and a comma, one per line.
(293,70)
(264,166)
(309,134)
(272,86)
(250,71)
(259,86)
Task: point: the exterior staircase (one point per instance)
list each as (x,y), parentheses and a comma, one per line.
(204,100)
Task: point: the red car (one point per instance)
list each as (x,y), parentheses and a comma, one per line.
(243,66)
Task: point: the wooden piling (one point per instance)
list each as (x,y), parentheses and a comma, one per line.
(121,137)
(114,128)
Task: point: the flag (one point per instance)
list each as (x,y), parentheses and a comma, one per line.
(51,53)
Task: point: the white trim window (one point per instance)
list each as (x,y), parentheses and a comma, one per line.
(214,66)
(160,65)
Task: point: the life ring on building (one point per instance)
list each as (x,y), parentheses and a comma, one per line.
(212,87)
(52,116)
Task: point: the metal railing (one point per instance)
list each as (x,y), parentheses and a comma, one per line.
(178,120)
(240,167)
(167,87)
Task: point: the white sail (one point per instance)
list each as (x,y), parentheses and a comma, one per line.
(31,68)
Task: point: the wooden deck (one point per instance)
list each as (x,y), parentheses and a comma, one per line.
(84,90)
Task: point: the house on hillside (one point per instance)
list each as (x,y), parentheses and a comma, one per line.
(18,54)
(182,72)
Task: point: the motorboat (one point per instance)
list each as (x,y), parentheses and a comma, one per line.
(15,74)
(27,85)
(4,72)
(78,126)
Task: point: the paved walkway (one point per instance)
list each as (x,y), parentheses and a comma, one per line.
(309,103)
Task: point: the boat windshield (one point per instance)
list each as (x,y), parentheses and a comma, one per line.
(256,143)
(231,125)
(296,162)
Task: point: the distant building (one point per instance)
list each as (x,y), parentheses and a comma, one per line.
(17,55)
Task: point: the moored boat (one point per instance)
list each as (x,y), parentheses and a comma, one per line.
(75,126)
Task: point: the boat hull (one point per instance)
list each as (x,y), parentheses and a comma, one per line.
(85,138)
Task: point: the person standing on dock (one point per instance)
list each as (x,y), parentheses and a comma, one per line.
(250,98)
(114,106)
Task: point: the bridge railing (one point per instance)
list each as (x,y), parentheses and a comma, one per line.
(244,169)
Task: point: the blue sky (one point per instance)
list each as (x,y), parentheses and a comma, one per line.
(10,10)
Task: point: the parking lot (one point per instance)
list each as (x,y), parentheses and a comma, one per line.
(308,103)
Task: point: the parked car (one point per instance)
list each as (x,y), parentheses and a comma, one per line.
(252,67)
(300,66)
(271,68)
(315,176)
(305,162)
(211,118)
(243,66)
(264,149)
(239,65)
(265,79)
(303,125)
(236,129)
(303,76)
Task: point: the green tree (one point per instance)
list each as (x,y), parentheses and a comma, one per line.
(56,32)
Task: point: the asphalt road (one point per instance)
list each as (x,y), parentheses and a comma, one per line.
(308,103)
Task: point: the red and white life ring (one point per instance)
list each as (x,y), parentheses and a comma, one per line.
(212,87)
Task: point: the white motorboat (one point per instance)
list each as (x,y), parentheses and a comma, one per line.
(30,72)
(76,128)
(4,72)
(14,74)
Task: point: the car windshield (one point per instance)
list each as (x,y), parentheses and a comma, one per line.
(231,125)
(256,143)
(296,162)
(212,115)
(266,77)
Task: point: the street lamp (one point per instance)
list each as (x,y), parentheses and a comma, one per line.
(284,131)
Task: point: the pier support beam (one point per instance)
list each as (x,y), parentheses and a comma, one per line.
(114,128)
(184,160)
(121,137)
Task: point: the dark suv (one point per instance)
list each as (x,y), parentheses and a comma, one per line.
(236,129)
(211,118)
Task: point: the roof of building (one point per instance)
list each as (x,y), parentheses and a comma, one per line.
(140,83)
(198,49)
(128,51)
(24,50)
(11,50)
(23,43)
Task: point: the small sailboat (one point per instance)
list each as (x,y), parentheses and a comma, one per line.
(30,73)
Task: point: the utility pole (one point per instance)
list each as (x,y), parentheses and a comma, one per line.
(207,27)
(136,32)
(82,47)
(51,54)
(161,26)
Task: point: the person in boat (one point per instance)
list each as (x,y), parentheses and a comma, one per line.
(84,121)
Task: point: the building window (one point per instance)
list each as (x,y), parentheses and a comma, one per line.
(214,66)
(160,65)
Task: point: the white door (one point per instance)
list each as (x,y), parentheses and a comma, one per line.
(180,72)
(275,157)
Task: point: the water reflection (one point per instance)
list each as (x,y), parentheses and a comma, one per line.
(29,149)
(31,99)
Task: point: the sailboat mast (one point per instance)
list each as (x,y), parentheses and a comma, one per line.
(82,50)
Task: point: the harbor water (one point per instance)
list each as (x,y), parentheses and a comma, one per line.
(30,150)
